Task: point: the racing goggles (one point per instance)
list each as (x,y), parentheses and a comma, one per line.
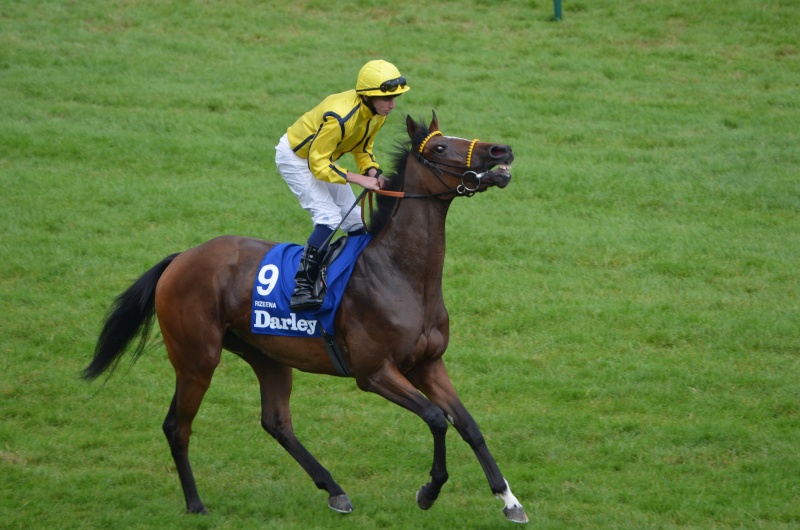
(393,84)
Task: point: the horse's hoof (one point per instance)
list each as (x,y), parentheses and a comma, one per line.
(423,501)
(340,503)
(198,509)
(516,514)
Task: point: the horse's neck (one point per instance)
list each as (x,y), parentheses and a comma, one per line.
(414,239)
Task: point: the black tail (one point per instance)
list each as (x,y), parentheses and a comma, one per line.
(130,315)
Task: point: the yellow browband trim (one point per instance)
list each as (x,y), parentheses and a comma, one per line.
(469,153)
(425,141)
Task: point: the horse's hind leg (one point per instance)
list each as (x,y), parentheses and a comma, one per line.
(275,381)
(194,362)
(177,430)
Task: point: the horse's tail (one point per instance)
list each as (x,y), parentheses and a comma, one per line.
(130,315)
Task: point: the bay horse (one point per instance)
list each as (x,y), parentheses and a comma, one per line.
(392,327)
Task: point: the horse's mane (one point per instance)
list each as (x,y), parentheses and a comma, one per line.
(399,157)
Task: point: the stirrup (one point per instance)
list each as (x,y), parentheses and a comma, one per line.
(304,300)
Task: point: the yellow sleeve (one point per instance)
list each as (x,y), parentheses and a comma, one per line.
(321,151)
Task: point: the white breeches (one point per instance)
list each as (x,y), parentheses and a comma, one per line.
(325,201)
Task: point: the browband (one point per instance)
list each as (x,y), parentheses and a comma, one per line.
(425,141)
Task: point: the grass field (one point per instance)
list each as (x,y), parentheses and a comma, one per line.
(625,316)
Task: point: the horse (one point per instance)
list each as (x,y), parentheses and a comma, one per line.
(391,327)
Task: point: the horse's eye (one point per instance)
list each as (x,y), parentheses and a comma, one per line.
(439,149)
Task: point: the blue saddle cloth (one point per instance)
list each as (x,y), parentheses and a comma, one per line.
(274,284)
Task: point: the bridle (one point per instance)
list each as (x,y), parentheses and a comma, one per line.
(439,169)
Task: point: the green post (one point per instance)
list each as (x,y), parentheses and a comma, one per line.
(556,10)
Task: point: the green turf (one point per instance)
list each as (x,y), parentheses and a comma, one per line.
(625,316)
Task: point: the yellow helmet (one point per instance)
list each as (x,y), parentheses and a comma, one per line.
(380,78)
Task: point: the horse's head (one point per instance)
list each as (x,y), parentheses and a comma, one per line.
(467,166)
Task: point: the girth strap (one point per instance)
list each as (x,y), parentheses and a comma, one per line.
(336,355)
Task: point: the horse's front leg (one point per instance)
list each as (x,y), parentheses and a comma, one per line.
(390,384)
(432,380)
(275,381)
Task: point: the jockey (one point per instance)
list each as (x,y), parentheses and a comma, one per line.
(308,155)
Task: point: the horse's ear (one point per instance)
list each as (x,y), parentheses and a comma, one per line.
(434,123)
(411,125)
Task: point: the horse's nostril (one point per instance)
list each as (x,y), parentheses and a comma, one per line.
(498,151)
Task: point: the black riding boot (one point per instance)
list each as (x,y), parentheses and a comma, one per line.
(303,297)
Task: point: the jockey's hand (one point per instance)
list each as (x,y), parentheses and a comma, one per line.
(378,174)
(364,181)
